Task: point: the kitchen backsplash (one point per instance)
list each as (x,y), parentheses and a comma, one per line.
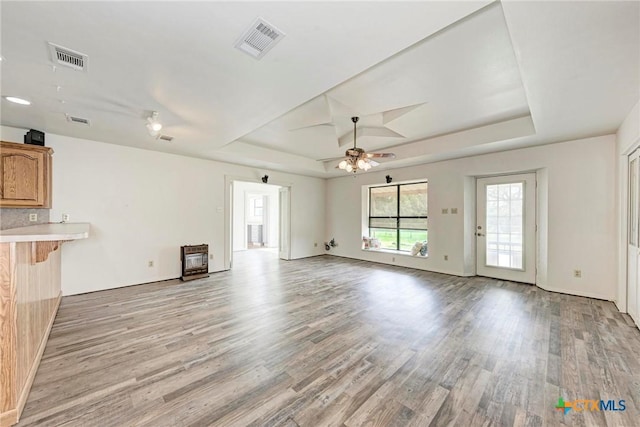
(13,218)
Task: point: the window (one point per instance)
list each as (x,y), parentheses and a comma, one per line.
(505,225)
(257,207)
(398,215)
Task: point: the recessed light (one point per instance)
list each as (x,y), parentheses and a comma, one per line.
(17,100)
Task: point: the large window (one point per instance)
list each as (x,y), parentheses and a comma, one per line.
(398,215)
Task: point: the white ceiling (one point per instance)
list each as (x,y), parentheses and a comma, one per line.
(431,80)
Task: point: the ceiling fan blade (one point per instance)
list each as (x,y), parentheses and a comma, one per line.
(386,155)
(330,159)
(374,163)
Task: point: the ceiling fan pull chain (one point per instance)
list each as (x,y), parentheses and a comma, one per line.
(354,120)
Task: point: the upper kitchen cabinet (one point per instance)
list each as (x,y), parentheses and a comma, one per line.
(25,176)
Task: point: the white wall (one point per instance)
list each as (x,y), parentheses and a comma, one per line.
(627,139)
(142,205)
(580,225)
(138,203)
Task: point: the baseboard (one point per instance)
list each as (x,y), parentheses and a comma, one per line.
(430,270)
(24,394)
(618,307)
(194,277)
(577,293)
(303,257)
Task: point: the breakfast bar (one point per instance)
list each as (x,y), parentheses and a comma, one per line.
(30,292)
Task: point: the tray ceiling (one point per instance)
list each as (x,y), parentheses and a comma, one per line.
(430,80)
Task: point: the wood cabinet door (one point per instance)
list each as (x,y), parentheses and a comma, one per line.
(23,177)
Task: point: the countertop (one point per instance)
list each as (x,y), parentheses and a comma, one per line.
(46,232)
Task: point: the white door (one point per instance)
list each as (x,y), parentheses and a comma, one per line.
(506,227)
(633,247)
(285,218)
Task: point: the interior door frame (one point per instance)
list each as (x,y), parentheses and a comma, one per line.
(535,238)
(622,301)
(228,213)
(284,225)
(632,252)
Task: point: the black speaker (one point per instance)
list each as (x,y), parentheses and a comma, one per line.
(34,137)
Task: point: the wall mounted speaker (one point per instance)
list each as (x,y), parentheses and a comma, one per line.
(34,137)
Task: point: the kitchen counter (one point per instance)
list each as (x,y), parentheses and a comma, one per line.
(46,232)
(30,293)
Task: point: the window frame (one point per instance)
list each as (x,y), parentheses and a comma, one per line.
(398,217)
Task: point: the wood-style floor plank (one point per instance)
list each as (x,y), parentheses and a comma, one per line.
(327,341)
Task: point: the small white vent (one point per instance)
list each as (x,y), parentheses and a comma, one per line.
(165,138)
(79,120)
(259,38)
(68,58)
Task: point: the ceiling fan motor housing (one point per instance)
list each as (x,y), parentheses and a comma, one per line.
(354,152)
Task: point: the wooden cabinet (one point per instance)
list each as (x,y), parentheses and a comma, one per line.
(25,176)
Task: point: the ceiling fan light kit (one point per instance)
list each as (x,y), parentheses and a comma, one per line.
(153,125)
(357,159)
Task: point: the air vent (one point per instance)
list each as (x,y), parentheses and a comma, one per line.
(68,58)
(79,120)
(165,138)
(259,38)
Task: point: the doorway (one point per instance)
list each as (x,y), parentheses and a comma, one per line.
(633,243)
(255,216)
(258,220)
(506,227)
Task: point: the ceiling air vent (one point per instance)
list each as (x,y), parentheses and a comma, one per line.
(80,120)
(259,38)
(165,138)
(68,58)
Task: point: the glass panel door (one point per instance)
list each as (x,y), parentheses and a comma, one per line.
(506,227)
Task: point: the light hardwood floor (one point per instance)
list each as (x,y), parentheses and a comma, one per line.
(330,341)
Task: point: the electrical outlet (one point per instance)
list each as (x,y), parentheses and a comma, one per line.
(577,273)
(65,217)
(150,263)
(33,217)
(446,257)
(315,245)
(210,256)
(393,259)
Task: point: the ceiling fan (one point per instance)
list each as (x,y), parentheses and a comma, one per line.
(357,159)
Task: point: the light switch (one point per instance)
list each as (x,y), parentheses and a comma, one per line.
(445,211)
(454,210)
